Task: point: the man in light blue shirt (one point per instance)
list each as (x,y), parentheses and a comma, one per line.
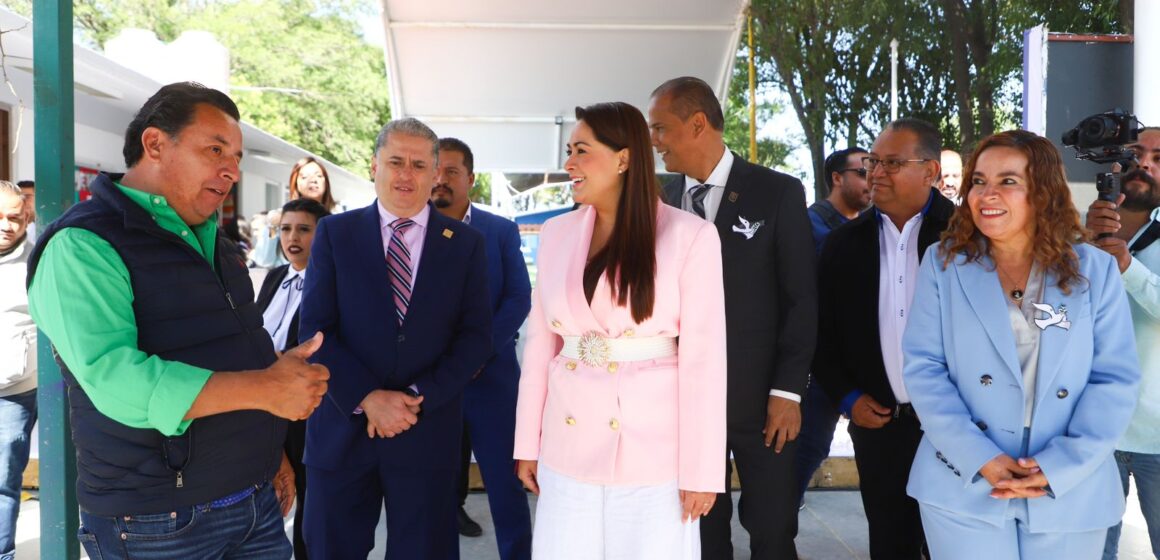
(1135,229)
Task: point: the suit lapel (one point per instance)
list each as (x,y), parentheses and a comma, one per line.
(985,295)
(1054,339)
(574,282)
(270,286)
(369,247)
(866,264)
(673,191)
(934,222)
(727,210)
(479,220)
(435,251)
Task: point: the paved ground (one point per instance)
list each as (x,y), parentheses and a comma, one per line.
(832,527)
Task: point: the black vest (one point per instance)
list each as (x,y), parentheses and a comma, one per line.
(186,312)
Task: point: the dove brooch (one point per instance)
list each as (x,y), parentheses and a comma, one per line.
(747,228)
(1054,318)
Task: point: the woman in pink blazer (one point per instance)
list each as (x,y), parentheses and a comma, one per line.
(620,429)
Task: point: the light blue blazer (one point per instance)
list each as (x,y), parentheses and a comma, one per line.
(966,384)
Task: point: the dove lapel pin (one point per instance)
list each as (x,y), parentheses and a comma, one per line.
(1054,318)
(747,228)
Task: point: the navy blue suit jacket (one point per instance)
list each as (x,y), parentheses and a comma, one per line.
(510,289)
(445,338)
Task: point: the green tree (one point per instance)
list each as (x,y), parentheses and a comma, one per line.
(300,69)
(481,190)
(771,152)
(957,60)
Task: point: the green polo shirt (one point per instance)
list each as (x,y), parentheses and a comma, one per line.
(82,298)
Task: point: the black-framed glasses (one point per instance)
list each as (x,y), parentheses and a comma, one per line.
(860,171)
(890,165)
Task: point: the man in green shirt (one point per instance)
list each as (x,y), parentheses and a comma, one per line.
(176,394)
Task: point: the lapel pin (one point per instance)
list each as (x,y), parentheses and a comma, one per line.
(747,228)
(733,196)
(1054,318)
(448,233)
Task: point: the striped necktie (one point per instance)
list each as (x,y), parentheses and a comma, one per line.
(399,264)
(697,194)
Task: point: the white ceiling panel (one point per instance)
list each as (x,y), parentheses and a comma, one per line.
(500,73)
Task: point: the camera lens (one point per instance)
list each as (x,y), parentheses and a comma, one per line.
(1098,130)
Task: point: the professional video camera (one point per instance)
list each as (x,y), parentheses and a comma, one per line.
(1102,139)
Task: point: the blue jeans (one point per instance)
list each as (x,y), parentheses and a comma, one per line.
(250,529)
(1146,469)
(17,415)
(819,419)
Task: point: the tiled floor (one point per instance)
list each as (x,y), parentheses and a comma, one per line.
(832,527)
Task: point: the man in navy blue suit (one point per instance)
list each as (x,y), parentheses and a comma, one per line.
(401,292)
(489,404)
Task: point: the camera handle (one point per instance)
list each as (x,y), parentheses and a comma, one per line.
(1108,188)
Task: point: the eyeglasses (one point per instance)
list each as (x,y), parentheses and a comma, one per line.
(889,165)
(861,171)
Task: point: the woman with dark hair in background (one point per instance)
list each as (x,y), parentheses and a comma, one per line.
(1021,364)
(620,429)
(280,298)
(308,180)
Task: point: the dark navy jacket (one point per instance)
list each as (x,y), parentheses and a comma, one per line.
(445,338)
(186,312)
(511,298)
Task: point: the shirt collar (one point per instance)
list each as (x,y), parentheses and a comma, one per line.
(291,276)
(158,207)
(386,218)
(720,174)
(919,215)
(467,216)
(1154,217)
(17,250)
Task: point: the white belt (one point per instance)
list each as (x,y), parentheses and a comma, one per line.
(597,351)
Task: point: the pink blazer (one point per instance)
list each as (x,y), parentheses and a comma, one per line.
(635,423)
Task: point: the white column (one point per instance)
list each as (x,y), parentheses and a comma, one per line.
(1146,58)
(894,79)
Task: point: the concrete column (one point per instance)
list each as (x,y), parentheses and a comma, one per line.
(1146,60)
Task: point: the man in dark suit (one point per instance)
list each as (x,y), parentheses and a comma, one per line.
(401,292)
(489,403)
(770,309)
(868,271)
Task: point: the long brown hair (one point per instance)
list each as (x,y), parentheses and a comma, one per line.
(327,198)
(1057,225)
(631,250)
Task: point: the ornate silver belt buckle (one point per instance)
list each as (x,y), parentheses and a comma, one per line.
(593,349)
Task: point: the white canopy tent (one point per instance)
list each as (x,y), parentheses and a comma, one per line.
(505,75)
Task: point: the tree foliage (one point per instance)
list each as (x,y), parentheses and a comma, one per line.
(957,62)
(300,69)
(771,152)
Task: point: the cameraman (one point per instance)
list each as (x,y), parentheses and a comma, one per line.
(1147,149)
(1134,226)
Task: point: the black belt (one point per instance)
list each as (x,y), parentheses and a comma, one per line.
(905,410)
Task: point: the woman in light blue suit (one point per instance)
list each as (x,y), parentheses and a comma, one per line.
(1021,364)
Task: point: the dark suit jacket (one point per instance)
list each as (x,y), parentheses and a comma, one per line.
(849,355)
(265,295)
(445,338)
(770,287)
(510,290)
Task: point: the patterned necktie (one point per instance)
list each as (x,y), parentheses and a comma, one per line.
(399,264)
(698,194)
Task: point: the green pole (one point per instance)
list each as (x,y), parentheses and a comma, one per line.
(52,61)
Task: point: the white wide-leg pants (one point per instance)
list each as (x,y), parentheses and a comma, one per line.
(580,521)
